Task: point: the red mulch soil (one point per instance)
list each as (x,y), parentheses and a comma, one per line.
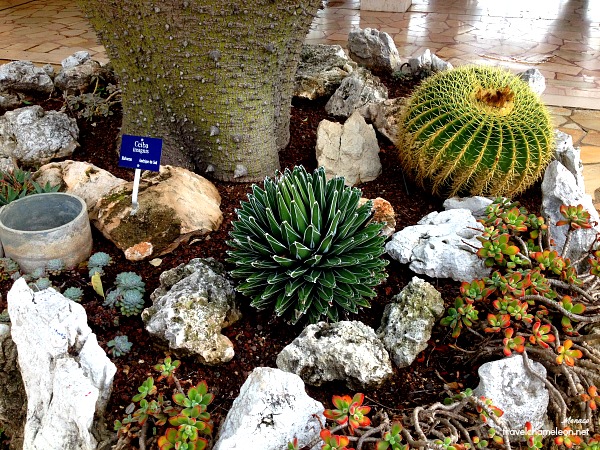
(258,337)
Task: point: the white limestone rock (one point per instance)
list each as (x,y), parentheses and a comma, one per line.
(477,204)
(559,187)
(67,376)
(347,351)
(374,50)
(321,70)
(349,150)
(77,79)
(569,156)
(35,137)
(83,179)
(384,116)
(357,90)
(75,59)
(24,76)
(271,410)
(427,63)
(522,396)
(407,321)
(535,80)
(441,245)
(193,303)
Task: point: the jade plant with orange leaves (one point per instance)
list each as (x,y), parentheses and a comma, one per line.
(184,419)
(538,303)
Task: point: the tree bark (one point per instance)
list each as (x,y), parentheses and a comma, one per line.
(212,78)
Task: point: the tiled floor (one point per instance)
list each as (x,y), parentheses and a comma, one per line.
(559,37)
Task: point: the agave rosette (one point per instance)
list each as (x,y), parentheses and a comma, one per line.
(304,246)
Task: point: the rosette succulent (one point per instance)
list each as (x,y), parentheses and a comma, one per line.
(475,130)
(303,246)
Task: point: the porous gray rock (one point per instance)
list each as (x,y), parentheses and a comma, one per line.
(374,50)
(193,303)
(174,205)
(83,179)
(9,100)
(271,410)
(477,204)
(321,70)
(407,321)
(427,63)
(35,137)
(356,90)
(13,399)
(347,351)
(67,376)
(559,187)
(384,116)
(77,79)
(441,245)
(349,150)
(534,78)
(75,59)
(520,394)
(24,76)
(569,156)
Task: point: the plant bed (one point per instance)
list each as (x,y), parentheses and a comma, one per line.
(259,336)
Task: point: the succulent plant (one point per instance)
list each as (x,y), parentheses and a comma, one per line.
(9,266)
(303,246)
(38,272)
(95,270)
(55,266)
(119,345)
(40,284)
(99,259)
(130,280)
(131,302)
(73,293)
(475,130)
(112,297)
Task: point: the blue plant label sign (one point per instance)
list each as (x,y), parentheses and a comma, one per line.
(140,152)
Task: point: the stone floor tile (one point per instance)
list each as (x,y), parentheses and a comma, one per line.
(590,154)
(591,178)
(588,120)
(574,131)
(592,138)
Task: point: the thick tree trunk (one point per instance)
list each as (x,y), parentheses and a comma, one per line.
(212,78)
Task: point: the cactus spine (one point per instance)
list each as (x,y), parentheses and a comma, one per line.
(475,130)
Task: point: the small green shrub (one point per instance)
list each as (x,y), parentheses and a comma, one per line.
(303,246)
(475,130)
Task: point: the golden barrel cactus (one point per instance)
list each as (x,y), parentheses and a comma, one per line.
(475,130)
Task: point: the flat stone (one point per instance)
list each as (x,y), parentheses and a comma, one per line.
(590,154)
(591,174)
(588,120)
(592,138)
(139,252)
(558,120)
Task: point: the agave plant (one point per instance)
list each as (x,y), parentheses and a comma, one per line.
(303,246)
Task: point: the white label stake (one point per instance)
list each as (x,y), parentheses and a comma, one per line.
(134,194)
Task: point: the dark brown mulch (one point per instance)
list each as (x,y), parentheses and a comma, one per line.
(258,337)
